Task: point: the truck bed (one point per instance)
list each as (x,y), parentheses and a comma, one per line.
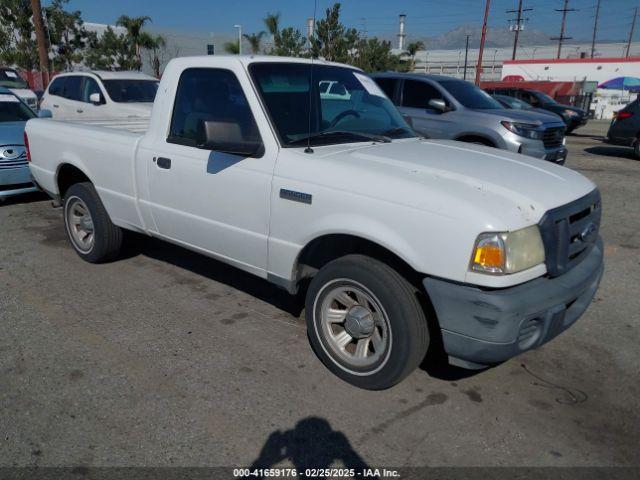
(104,153)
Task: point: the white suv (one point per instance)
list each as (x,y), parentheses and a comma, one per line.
(100,95)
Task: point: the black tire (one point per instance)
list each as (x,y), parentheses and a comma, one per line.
(636,148)
(107,238)
(407,331)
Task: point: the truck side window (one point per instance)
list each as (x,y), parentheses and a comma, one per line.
(209,94)
(72,87)
(89,87)
(57,86)
(416,94)
(388,86)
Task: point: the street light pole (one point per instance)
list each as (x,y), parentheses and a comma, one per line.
(239,27)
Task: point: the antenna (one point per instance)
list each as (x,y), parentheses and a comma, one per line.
(309,149)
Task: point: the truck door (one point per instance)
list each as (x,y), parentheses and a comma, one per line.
(425,119)
(214,201)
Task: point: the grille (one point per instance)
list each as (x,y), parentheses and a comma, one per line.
(14,162)
(569,232)
(553,137)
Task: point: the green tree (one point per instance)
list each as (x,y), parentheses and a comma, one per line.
(69,38)
(17,27)
(332,40)
(232,47)
(412,49)
(156,48)
(255,41)
(291,43)
(272,22)
(110,51)
(375,55)
(134,26)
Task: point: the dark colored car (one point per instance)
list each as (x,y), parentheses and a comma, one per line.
(573,117)
(625,128)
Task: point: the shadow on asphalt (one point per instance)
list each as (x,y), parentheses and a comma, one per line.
(611,151)
(214,270)
(24,198)
(311,444)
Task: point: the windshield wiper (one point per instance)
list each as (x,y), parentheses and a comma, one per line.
(339,134)
(395,131)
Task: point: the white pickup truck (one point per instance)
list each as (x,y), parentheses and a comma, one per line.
(398,241)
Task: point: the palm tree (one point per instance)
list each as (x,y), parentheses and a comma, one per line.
(412,49)
(255,41)
(155,45)
(134,25)
(272,22)
(232,48)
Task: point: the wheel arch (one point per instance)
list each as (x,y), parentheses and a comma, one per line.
(330,246)
(67,175)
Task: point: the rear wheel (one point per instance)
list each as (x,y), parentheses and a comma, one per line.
(89,229)
(365,322)
(636,147)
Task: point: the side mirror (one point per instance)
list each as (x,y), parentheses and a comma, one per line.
(226,137)
(96,99)
(438,104)
(45,114)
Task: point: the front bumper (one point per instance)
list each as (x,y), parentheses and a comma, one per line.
(535,148)
(483,327)
(14,181)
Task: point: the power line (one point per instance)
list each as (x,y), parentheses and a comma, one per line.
(633,27)
(518,26)
(562,36)
(595,29)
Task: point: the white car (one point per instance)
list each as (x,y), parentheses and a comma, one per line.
(11,79)
(401,241)
(97,95)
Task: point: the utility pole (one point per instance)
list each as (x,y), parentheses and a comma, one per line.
(518,25)
(562,37)
(633,27)
(466,56)
(482,40)
(595,29)
(43,56)
(239,27)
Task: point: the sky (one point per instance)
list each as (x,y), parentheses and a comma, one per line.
(425,18)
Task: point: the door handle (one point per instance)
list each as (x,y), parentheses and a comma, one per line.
(163,162)
(55,105)
(79,110)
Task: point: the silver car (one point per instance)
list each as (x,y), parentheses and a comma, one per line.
(445,107)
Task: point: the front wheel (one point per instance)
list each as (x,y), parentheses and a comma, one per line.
(89,229)
(365,322)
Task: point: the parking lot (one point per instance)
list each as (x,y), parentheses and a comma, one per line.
(168,358)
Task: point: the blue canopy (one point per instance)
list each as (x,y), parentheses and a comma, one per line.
(622,83)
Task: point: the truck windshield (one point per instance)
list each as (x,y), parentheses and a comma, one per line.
(13,110)
(470,96)
(131,91)
(9,78)
(346,105)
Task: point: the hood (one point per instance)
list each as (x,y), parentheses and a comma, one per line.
(524,116)
(12,133)
(502,189)
(23,93)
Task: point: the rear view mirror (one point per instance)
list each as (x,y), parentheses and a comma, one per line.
(44,113)
(438,104)
(95,98)
(226,137)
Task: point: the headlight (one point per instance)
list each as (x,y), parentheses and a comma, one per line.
(571,113)
(500,253)
(526,130)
